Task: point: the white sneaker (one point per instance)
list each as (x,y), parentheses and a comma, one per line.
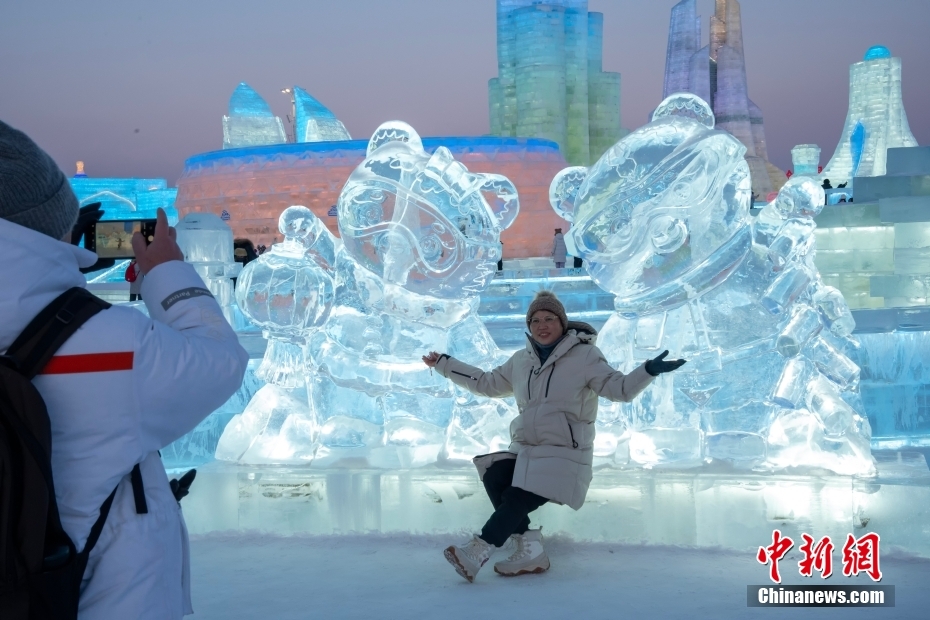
(470,557)
(528,557)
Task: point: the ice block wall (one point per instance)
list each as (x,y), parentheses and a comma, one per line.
(876,250)
(805,158)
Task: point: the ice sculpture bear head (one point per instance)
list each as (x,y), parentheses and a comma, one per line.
(424,222)
(663,214)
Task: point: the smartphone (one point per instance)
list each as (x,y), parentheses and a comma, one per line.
(113,238)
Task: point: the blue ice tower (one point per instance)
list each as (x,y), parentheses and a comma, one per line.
(550,83)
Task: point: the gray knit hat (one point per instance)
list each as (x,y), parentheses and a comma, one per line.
(33,190)
(546,300)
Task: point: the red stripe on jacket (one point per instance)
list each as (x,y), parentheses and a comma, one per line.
(88,362)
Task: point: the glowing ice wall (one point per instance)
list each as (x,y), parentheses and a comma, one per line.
(250,121)
(875,122)
(877,250)
(123,199)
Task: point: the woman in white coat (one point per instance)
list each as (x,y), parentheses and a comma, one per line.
(556,381)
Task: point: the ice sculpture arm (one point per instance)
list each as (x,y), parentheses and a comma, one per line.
(494,384)
(613,384)
(187,359)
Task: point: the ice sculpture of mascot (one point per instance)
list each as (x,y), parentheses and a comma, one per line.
(421,239)
(288,292)
(662,221)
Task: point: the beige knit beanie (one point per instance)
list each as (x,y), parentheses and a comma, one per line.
(546,300)
(33,190)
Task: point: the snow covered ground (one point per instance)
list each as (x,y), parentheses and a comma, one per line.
(396,576)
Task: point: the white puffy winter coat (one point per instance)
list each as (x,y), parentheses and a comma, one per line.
(122,387)
(553,435)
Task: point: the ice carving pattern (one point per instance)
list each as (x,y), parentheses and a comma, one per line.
(314,122)
(662,221)
(419,242)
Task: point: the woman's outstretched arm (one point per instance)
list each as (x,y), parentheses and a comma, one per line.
(613,384)
(494,384)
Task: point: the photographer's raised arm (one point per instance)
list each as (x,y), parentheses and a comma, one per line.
(189,360)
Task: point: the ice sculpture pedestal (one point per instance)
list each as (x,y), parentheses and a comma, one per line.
(701,508)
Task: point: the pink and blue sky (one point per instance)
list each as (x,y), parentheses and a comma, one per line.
(134,88)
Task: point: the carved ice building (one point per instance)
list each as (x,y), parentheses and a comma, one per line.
(876,120)
(717,74)
(550,83)
(250,121)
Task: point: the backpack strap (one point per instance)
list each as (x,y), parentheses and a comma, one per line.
(36,345)
(138,491)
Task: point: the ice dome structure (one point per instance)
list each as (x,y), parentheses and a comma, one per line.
(662,221)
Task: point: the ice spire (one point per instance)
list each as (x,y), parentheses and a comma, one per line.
(684,40)
(876,120)
(717,74)
(314,122)
(250,121)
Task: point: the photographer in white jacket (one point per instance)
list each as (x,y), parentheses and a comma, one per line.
(122,387)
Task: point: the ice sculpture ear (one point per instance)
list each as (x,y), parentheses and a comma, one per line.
(801,197)
(501,196)
(394,131)
(563,191)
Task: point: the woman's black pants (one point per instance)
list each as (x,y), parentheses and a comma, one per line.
(512,505)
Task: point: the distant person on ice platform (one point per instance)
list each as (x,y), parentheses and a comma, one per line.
(556,381)
(559,250)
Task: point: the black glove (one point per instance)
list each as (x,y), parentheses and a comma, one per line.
(88,214)
(657,366)
(180,488)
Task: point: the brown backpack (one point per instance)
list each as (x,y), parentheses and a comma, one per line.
(40,569)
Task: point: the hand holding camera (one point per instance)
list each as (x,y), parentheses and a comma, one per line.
(162,249)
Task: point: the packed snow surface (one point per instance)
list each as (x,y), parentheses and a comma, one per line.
(277,578)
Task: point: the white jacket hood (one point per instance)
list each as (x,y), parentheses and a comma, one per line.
(36,270)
